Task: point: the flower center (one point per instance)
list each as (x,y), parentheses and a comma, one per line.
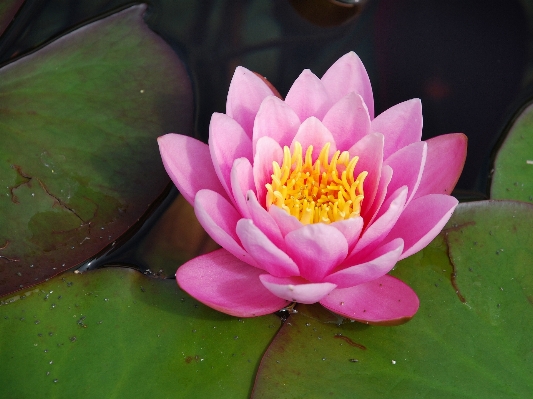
(320,192)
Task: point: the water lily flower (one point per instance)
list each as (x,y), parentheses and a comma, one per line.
(311,198)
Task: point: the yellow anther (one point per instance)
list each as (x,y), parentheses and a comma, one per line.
(321,192)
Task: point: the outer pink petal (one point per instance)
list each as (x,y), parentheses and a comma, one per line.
(267,152)
(219,219)
(408,166)
(268,256)
(285,222)
(276,120)
(376,264)
(245,94)
(188,163)
(377,231)
(348,121)
(370,152)
(348,74)
(401,125)
(308,97)
(227,142)
(351,229)
(316,249)
(445,160)
(370,212)
(385,301)
(264,221)
(296,289)
(422,220)
(224,283)
(313,132)
(242,180)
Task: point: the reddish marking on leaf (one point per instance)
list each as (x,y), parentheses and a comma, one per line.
(453,274)
(5,257)
(14,198)
(349,341)
(189,359)
(60,203)
(457,227)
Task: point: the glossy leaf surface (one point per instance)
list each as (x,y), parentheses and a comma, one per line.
(116,333)
(513,166)
(472,343)
(79,162)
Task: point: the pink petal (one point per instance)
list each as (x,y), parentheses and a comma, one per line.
(227,142)
(407,165)
(308,97)
(445,160)
(242,180)
(348,121)
(369,213)
(422,220)
(351,229)
(385,301)
(370,152)
(401,125)
(375,265)
(188,163)
(267,152)
(377,231)
(264,221)
(348,75)
(313,132)
(224,283)
(268,256)
(316,249)
(246,93)
(296,289)
(219,219)
(285,222)
(276,120)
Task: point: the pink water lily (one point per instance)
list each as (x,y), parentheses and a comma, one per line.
(312,198)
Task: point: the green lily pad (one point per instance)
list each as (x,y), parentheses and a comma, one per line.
(115,333)
(471,337)
(8,10)
(513,166)
(79,162)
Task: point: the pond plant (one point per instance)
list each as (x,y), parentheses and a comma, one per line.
(302,244)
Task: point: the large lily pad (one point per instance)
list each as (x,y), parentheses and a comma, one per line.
(513,166)
(115,333)
(79,162)
(470,339)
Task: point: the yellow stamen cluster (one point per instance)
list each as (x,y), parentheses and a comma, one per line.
(320,192)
